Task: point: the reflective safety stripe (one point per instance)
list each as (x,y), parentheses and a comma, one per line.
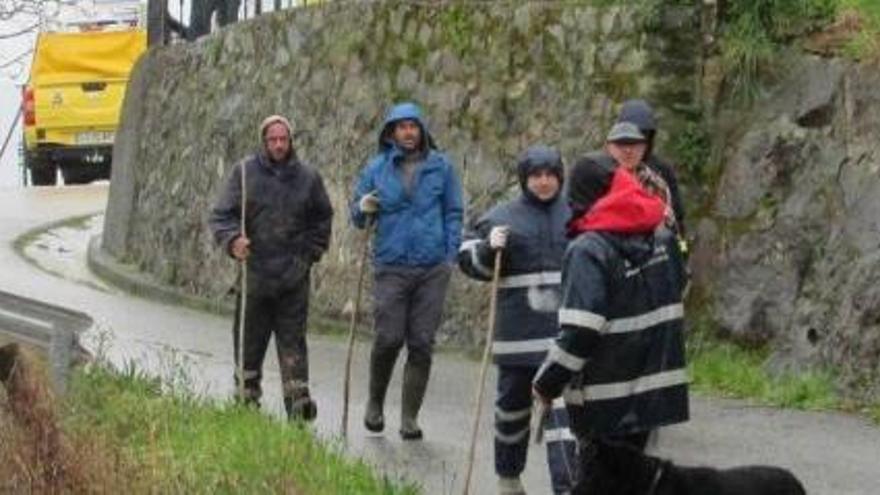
(582,318)
(646,320)
(558,403)
(593,321)
(471,246)
(659,256)
(626,389)
(508,416)
(513,438)
(521,346)
(569,361)
(530,280)
(559,435)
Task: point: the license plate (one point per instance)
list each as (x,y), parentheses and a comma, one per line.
(94,137)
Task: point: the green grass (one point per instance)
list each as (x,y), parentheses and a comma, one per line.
(866,44)
(722,368)
(178,443)
(874,413)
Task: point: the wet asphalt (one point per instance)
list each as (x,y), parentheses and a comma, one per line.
(834,454)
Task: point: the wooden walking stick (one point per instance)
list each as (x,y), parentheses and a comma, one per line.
(487,352)
(539,419)
(243,301)
(353,321)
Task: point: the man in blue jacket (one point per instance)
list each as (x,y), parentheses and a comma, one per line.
(413,193)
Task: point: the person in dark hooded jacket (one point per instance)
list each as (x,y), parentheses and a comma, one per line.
(530,231)
(413,193)
(288,222)
(619,359)
(640,113)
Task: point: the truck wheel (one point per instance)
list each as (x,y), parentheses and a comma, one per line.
(44,175)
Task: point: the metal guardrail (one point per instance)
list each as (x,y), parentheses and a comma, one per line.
(46,326)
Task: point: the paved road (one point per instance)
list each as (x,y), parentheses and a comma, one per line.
(833,454)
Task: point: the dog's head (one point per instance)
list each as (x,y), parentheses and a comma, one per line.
(622,470)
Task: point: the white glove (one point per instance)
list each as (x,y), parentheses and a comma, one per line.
(369,203)
(498,237)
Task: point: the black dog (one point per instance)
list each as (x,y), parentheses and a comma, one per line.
(619,469)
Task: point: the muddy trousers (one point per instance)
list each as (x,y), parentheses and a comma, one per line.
(283,314)
(513,415)
(408,307)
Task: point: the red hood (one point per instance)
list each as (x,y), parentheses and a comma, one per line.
(627,208)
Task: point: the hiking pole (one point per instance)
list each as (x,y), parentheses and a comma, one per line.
(243,294)
(346,386)
(487,351)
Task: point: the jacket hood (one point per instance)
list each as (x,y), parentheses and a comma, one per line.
(589,180)
(404,111)
(626,209)
(640,113)
(537,158)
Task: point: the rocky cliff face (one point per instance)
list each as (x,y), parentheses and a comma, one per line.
(493,79)
(790,253)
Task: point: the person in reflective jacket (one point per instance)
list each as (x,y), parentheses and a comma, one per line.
(530,231)
(619,359)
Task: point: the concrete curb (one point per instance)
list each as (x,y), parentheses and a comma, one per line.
(133,281)
(129,279)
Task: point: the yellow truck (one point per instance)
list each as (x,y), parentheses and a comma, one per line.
(72,101)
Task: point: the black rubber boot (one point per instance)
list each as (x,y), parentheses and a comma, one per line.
(415,382)
(381,368)
(300,408)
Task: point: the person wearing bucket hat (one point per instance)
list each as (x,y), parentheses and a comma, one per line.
(640,113)
(530,232)
(619,358)
(413,194)
(288,220)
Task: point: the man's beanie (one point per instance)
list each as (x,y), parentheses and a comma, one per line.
(589,180)
(274,119)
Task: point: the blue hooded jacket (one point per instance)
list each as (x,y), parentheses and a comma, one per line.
(421,228)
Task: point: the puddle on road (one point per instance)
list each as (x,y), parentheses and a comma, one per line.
(62,251)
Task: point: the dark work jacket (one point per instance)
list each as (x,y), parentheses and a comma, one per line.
(668,175)
(619,359)
(528,297)
(288,220)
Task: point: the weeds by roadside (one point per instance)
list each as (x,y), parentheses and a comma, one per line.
(722,368)
(126,430)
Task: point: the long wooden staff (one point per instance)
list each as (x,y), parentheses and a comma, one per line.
(487,352)
(243,303)
(353,321)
